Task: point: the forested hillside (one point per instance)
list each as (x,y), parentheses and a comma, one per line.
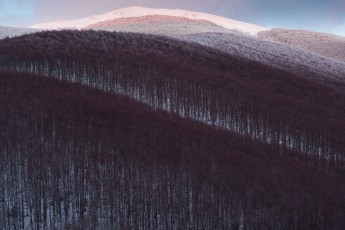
(297,112)
(103,130)
(74,157)
(291,58)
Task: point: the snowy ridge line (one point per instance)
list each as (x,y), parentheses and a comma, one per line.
(142,11)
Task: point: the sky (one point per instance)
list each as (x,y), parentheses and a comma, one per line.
(318,15)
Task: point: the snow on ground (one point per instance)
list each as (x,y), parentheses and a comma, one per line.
(270,53)
(136,11)
(13,32)
(327,45)
(158,24)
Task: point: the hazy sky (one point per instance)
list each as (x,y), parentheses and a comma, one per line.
(319,15)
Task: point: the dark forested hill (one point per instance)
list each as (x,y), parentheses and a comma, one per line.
(202,83)
(75,157)
(106,130)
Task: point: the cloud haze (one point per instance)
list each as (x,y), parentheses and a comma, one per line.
(320,15)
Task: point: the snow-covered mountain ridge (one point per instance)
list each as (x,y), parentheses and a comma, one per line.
(142,11)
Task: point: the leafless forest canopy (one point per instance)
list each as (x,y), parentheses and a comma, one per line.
(106,130)
(291,57)
(8,32)
(328,45)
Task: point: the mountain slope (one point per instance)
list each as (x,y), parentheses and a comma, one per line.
(327,45)
(141,11)
(158,24)
(282,56)
(228,91)
(72,157)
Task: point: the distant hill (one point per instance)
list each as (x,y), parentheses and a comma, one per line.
(159,24)
(132,12)
(327,45)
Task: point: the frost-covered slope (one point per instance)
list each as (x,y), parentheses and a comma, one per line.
(328,45)
(158,24)
(275,54)
(13,32)
(131,12)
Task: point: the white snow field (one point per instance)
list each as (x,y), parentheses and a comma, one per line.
(137,11)
(327,45)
